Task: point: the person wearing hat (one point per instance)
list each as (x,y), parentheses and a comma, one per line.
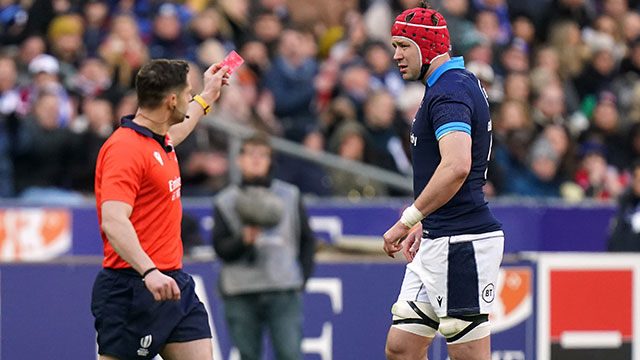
(263,237)
(452,241)
(45,73)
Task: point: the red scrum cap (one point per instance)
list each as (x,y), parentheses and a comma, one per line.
(425,28)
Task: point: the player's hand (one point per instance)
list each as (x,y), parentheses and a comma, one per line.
(393,238)
(214,78)
(161,286)
(412,243)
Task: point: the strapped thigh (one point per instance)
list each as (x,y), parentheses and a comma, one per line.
(464,328)
(415,317)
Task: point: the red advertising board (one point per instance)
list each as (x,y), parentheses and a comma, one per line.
(588,307)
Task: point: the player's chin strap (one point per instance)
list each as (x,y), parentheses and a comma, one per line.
(423,71)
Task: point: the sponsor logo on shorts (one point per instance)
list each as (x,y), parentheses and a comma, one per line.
(145,342)
(439,298)
(488,293)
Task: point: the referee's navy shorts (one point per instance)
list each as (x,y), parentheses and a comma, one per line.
(132,325)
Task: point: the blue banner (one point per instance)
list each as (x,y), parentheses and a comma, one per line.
(45,310)
(527,228)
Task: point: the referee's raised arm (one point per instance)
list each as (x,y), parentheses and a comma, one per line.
(214,78)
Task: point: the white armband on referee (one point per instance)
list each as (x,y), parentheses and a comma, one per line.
(411,216)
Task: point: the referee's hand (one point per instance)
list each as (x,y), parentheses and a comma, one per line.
(393,238)
(162,287)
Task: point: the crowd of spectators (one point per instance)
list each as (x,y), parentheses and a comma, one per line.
(561,76)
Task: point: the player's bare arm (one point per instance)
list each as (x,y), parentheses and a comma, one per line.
(124,240)
(214,78)
(455,150)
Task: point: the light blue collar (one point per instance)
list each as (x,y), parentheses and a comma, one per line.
(454,63)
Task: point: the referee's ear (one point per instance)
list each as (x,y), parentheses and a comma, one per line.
(171,101)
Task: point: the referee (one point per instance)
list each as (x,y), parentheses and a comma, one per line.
(143,303)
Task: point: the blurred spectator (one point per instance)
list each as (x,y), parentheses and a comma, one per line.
(126,106)
(540,179)
(549,107)
(65,36)
(514,57)
(598,75)
(598,179)
(168,41)
(409,102)
(44,70)
(209,52)
(605,128)
(632,146)
(384,73)
(290,80)
(29,49)
(203,162)
(44,161)
(268,28)
(95,79)
(481,52)
(616,9)
(338,111)
(204,25)
(123,49)
(517,86)
(631,26)
(13,21)
(500,32)
(579,11)
(379,119)
(234,21)
(256,57)
(93,128)
(9,94)
(509,154)
(524,29)
(9,102)
(96,16)
(350,142)
(355,84)
(625,229)
(564,38)
(463,35)
(309,177)
(512,115)
(349,48)
(487,25)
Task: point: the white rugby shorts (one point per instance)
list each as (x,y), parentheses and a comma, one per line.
(456,274)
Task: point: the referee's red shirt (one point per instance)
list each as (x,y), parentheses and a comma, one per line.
(134,168)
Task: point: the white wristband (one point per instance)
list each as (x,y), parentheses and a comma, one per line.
(411,216)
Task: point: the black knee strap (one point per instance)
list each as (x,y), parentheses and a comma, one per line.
(475,321)
(424,319)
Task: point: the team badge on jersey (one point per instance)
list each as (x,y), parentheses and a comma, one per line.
(158,157)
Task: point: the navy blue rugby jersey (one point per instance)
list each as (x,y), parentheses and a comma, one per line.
(454,100)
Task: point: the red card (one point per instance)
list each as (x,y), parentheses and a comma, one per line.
(233,61)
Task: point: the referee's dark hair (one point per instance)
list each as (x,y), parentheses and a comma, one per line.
(158,78)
